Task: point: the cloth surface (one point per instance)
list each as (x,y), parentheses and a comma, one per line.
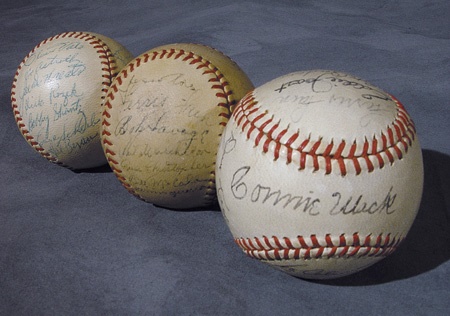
(77,243)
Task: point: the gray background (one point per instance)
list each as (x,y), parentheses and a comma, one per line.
(74,243)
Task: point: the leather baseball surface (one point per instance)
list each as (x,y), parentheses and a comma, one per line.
(164,116)
(58,93)
(319,174)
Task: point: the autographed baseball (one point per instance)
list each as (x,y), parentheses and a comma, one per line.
(58,93)
(319,174)
(163,119)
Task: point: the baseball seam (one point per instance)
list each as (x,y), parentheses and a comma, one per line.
(223,92)
(108,69)
(313,247)
(342,156)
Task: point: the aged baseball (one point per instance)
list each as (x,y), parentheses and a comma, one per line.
(58,93)
(319,174)
(164,116)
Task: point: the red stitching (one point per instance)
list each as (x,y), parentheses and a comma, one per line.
(219,83)
(313,247)
(104,53)
(368,156)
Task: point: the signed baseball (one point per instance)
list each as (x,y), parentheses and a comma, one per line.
(319,174)
(163,119)
(58,93)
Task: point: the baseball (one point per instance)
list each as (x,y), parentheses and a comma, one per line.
(163,119)
(58,92)
(319,174)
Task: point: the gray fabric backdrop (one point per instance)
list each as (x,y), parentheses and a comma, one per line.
(76,243)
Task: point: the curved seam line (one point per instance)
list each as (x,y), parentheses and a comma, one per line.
(189,58)
(92,40)
(242,120)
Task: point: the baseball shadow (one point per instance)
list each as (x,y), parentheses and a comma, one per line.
(107,169)
(427,243)
(100,169)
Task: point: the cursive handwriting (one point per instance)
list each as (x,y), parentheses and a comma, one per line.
(310,203)
(325,82)
(360,205)
(147,124)
(58,60)
(298,99)
(73,70)
(33,105)
(143,176)
(50,49)
(53,99)
(266,194)
(42,67)
(179,79)
(64,102)
(228,145)
(164,123)
(39,120)
(73,138)
(30,82)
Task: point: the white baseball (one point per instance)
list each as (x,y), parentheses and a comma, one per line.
(319,174)
(58,93)
(163,121)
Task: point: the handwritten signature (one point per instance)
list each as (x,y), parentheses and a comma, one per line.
(143,177)
(265,194)
(325,82)
(308,203)
(49,49)
(73,138)
(37,77)
(65,102)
